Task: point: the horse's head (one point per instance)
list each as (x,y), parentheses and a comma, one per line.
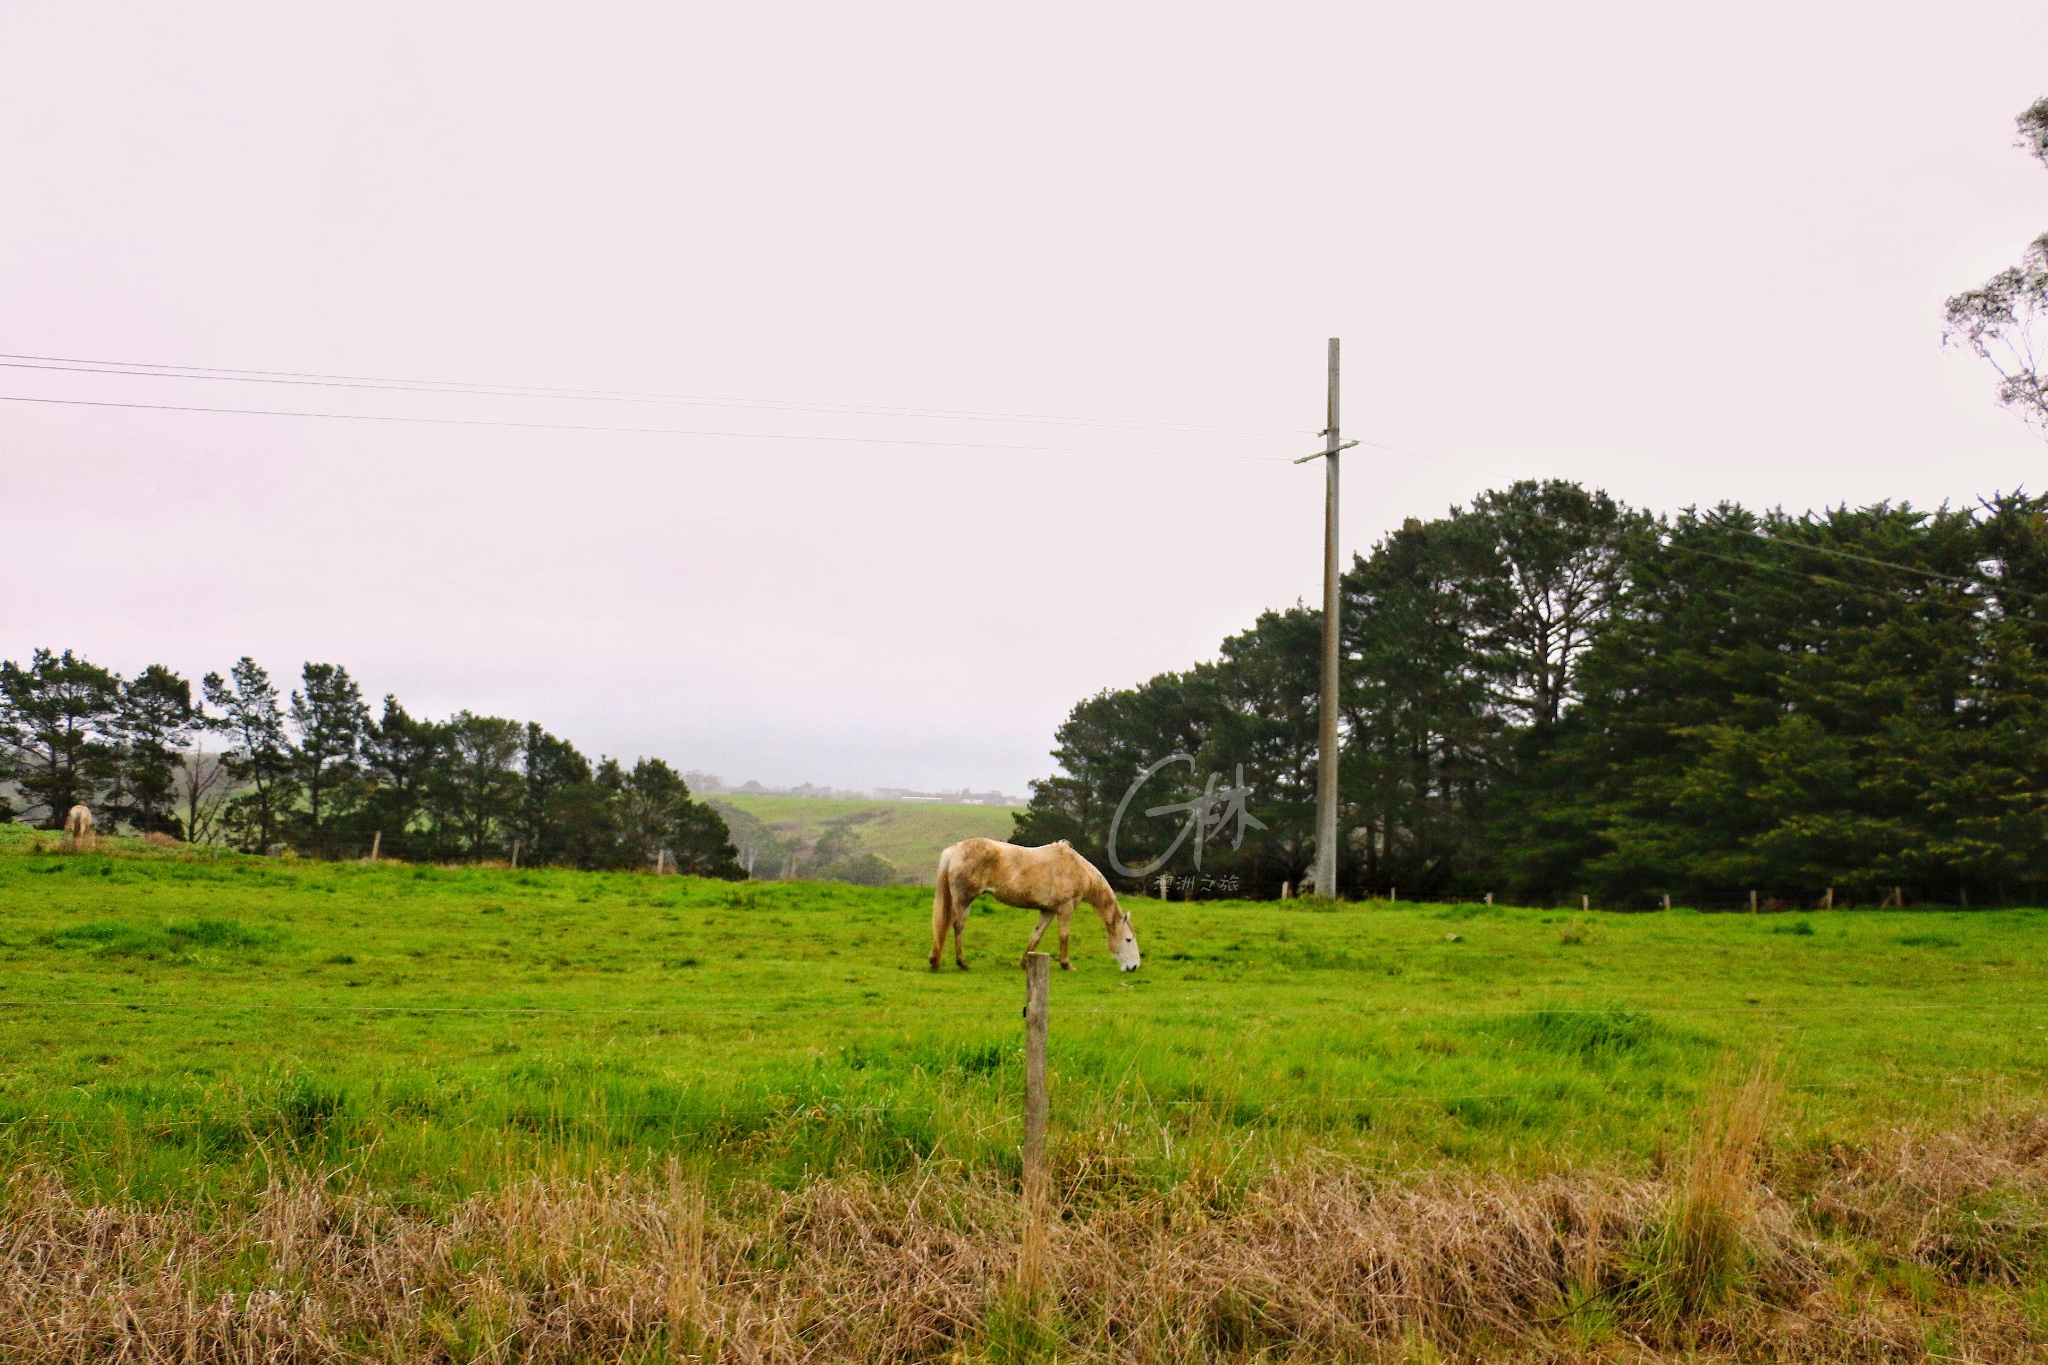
(1123,941)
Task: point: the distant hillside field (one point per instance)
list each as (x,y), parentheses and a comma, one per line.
(908,834)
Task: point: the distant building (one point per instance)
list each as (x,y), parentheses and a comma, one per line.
(963,797)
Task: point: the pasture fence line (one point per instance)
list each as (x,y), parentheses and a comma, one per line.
(542,1118)
(1179,1012)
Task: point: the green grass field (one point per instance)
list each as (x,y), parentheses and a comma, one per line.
(908,834)
(175,1024)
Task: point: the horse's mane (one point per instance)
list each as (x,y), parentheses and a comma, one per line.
(1100,893)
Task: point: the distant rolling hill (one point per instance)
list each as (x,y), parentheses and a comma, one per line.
(909,834)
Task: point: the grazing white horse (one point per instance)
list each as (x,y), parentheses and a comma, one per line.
(1051,880)
(78,830)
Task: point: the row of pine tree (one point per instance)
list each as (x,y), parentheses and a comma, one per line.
(245,765)
(1550,695)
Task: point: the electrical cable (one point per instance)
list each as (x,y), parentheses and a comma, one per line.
(1740,530)
(146,370)
(638,431)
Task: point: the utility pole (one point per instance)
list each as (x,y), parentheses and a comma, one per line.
(1333,643)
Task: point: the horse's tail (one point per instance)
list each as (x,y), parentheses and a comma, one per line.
(942,903)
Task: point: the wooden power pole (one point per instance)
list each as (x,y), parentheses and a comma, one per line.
(1333,644)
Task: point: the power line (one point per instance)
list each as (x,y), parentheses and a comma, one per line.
(1437,459)
(1865,589)
(1860,559)
(1740,530)
(146,370)
(636,431)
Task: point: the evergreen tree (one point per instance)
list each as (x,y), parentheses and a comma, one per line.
(557,811)
(1550,695)
(259,755)
(331,721)
(657,816)
(400,758)
(476,784)
(58,732)
(153,724)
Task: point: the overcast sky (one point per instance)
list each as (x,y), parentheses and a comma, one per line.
(1683,253)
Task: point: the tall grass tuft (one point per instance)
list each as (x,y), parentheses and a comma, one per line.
(1713,1242)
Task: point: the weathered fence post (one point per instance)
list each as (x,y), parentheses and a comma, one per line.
(1752,902)
(515,855)
(1037,1000)
(1585,902)
(376,843)
(1829,903)
(1667,900)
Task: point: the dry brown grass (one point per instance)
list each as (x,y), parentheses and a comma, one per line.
(1319,1263)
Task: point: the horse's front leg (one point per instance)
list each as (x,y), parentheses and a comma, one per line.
(1066,923)
(1044,919)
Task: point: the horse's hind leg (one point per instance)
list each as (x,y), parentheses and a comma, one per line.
(942,913)
(1066,923)
(962,906)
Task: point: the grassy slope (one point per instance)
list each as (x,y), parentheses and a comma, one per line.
(174,1023)
(908,834)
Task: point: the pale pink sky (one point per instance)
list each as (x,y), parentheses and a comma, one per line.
(1683,254)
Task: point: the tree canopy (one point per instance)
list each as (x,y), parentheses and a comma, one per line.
(314,771)
(1548,695)
(2002,320)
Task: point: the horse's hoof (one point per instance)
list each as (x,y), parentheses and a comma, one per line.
(1066,966)
(961,965)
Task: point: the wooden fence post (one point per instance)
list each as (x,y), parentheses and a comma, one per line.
(1037,1000)
(376,843)
(1752,902)
(1829,904)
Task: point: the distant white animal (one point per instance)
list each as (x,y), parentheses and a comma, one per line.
(78,831)
(1051,880)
